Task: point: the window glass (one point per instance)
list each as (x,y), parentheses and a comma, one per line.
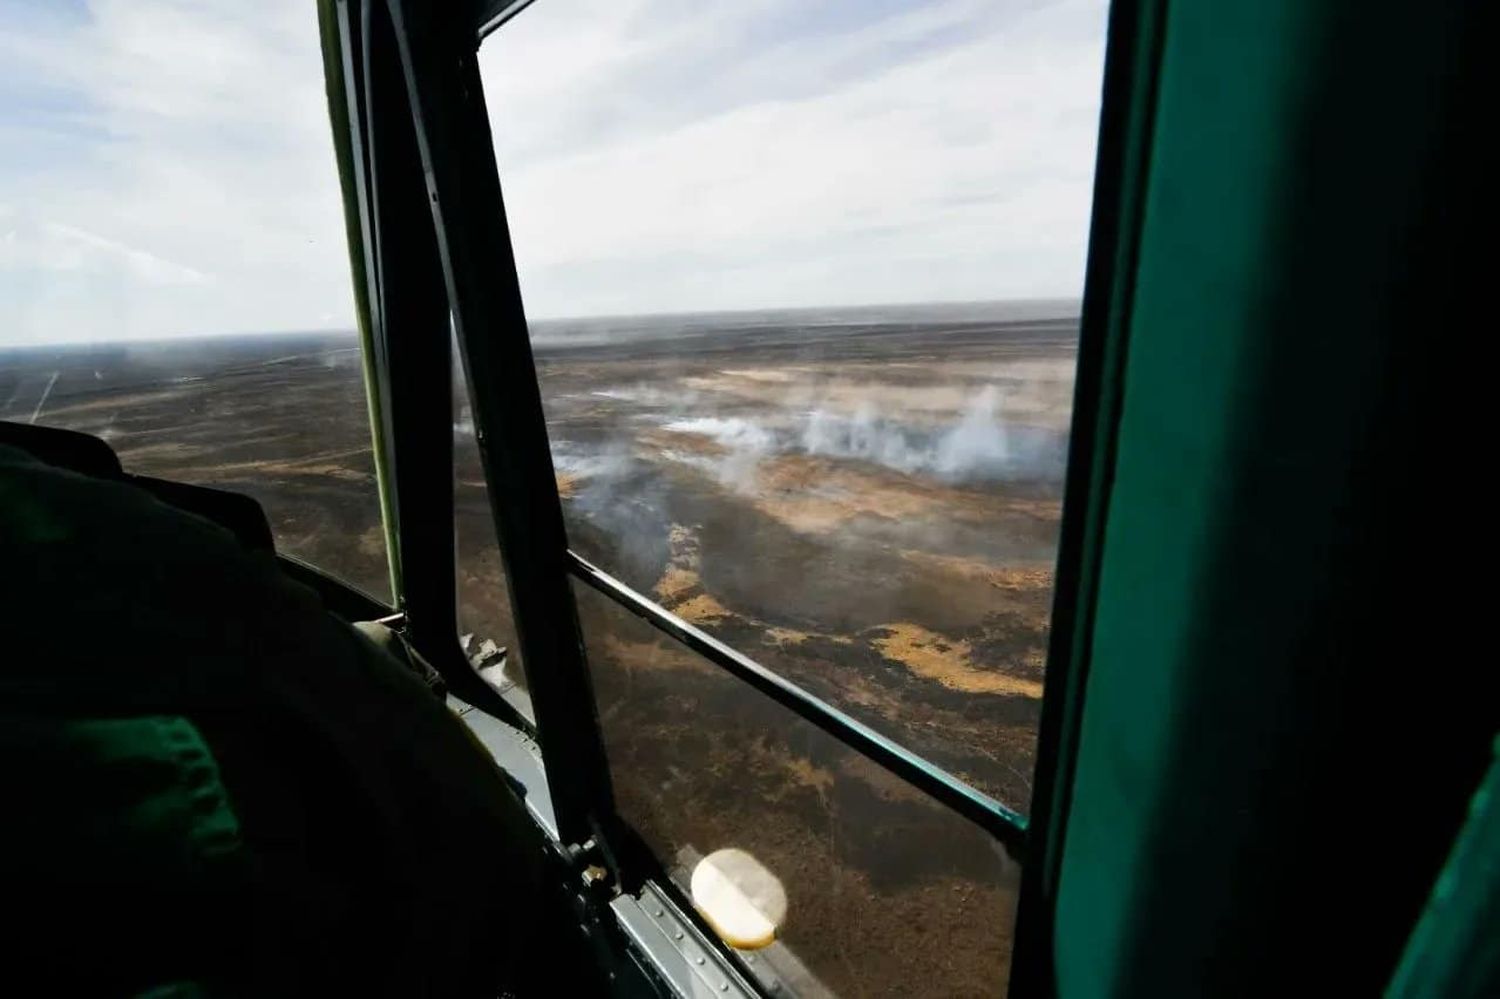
(487,627)
(803,284)
(173,262)
(888,893)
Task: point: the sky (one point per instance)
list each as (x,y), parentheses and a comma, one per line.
(166,167)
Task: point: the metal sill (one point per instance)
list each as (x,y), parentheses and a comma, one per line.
(674,948)
(516,752)
(691,966)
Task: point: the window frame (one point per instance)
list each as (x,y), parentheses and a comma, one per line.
(416,138)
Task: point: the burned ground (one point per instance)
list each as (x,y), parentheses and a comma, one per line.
(869,507)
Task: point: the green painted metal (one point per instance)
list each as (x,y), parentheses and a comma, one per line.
(1231,826)
(338,114)
(1455,951)
(1128,108)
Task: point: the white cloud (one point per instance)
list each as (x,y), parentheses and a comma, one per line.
(942,153)
(51,246)
(172,174)
(169,170)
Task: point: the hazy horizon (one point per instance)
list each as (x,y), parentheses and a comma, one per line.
(1047,308)
(656,160)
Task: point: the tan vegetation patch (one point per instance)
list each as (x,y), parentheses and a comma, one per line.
(701,609)
(675,583)
(814,495)
(567,484)
(806,773)
(786,636)
(936,657)
(1039,391)
(680,578)
(808,514)
(1011,578)
(680,589)
(660,440)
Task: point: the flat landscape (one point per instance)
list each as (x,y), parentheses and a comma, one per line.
(865,500)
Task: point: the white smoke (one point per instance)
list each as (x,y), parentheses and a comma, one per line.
(673,400)
(745,442)
(341,357)
(733,433)
(980,446)
(611,463)
(866,436)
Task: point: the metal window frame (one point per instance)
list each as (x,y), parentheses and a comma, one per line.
(440,55)
(436,243)
(1005,824)
(1127,107)
(467,216)
(401,297)
(1138,41)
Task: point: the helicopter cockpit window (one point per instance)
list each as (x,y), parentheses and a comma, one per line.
(888,891)
(173,260)
(803,289)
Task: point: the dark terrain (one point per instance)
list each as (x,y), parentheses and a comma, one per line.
(864,500)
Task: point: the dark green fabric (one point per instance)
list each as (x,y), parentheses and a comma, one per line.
(111,798)
(1279,724)
(174,990)
(1454,953)
(380,850)
(119,843)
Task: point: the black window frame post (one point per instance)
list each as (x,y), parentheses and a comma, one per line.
(407,323)
(467,213)
(437,245)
